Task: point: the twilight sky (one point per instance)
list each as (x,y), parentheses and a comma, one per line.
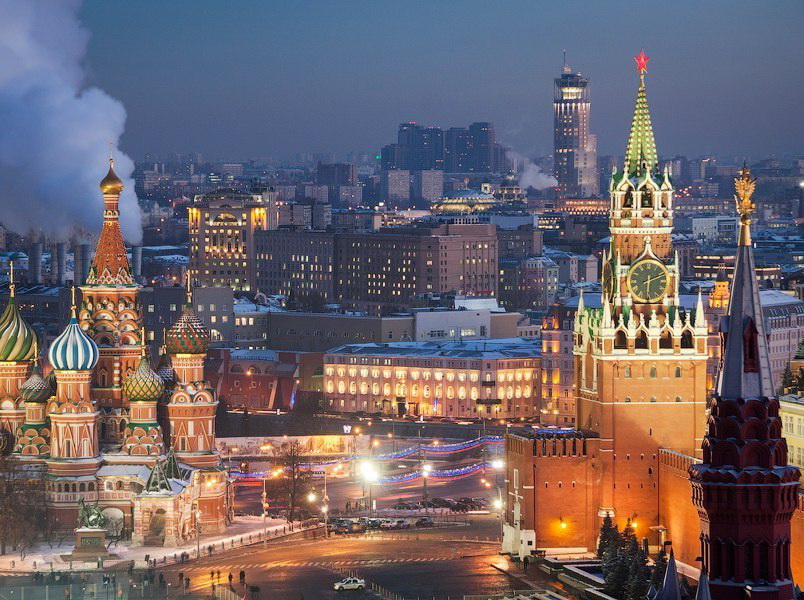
(257,78)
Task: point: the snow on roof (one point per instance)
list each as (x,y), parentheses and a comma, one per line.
(255,355)
(140,471)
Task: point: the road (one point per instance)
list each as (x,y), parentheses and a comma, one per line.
(235,424)
(435,563)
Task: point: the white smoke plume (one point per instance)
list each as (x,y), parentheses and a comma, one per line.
(530,175)
(55,132)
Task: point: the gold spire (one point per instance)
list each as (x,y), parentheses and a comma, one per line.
(744,186)
(11,286)
(144,343)
(189,299)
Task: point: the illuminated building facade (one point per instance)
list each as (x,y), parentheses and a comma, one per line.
(223,226)
(493,378)
(558,367)
(574,148)
(105,426)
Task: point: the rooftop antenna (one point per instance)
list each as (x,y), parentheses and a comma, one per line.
(566,68)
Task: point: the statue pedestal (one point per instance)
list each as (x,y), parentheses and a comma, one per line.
(90,545)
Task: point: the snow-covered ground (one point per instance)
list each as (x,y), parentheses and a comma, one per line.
(243,531)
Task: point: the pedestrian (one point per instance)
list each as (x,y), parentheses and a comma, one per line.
(211,575)
(186,583)
(230,579)
(181,577)
(242,577)
(218,574)
(525,561)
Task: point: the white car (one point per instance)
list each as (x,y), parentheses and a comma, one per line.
(350,583)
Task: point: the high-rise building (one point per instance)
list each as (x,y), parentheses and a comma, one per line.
(458,150)
(222,228)
(428,186)
(395,188)
(483,140)
(575,152)
(336,174)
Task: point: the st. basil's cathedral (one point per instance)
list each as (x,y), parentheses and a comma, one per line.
(104,426)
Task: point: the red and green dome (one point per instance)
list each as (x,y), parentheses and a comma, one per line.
(188,335)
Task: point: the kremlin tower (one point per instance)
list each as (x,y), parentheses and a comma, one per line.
(744,490)
(94,422)
(640,359)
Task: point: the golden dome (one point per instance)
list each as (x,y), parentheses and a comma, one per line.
(111,184)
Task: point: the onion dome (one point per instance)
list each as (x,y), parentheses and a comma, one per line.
(143,385)
(188,335)
(35,388)
(17,338)
(111,184)
(164,369)
(73,350)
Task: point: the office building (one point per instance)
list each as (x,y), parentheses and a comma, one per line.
(395,188)
(427,186)
(223,225)
(574,148)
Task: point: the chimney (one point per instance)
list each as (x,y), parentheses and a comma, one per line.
(81,263)
(35,263)
(136,261)
(60,273)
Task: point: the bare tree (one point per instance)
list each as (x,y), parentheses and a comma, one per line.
(22,504)
(295,478)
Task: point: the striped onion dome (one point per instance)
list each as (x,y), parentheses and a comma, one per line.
(143,385)
(188,335)
(35,388)
(16,336)
(73,350)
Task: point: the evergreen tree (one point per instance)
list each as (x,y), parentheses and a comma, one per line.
(608,534)
(616,567)
(788,381)
(659,568)
(638,576)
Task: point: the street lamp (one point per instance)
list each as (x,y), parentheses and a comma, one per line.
(369,473)
(426,468)
(311,497)
(325,510)
(264,510)
(198,532)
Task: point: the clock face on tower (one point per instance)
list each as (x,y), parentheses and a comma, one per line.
(648,280)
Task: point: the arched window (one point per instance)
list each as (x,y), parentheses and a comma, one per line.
(627,372)
(686,339)
(653,372)
(641,340)
(653,398)
(627,399)
(678,398)
(620,341)
(678,371)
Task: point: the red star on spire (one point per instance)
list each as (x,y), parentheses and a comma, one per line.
(642,62)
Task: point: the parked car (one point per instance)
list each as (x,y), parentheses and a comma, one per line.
(402,524)
(387,524)
(373,524)
(350,583)
(356,528)
(425,522)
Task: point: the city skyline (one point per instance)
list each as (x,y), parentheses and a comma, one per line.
(336,89)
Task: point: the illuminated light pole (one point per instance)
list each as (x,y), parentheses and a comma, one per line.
(198,532)
(426,468)
(264,511)
(369,474)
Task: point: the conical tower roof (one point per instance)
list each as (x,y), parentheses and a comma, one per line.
(157,481)
(746,371)
(110,265)
(640,155)
(670,588)
(17,338)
